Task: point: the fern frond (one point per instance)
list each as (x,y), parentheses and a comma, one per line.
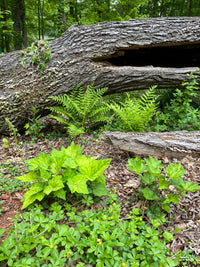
(62,99)
(148,98)
(99,114)
(83,106)
(74,130)
(91,100)
(136,113)
(65,108)
(62,111)
(60,119)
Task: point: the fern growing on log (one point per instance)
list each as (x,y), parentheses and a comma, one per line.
(80,109)
(135,114)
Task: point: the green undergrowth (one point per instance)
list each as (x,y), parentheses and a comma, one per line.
(134,114)
(159,191)
(58,229)
(54,231)
(1,207)
(80,110)
(88,110)
(64,171)
(177,111)
(65,236)
(7,182)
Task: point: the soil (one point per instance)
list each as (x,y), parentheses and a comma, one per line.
(186,214)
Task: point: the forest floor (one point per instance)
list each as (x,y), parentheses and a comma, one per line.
(186,214)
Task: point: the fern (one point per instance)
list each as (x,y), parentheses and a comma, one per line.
(81,108)
(74,131)
(135,114)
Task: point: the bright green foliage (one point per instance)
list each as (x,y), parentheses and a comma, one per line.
(7,172)
(13,131)
(1,232)
(34,126)
(5,142)
(179,114)
(64,171)
(135,114)
(6,29)
(87,238)
(165,8)
(38,54)
(128,9)
(108,10)
(155,187)
(1,208)
(49,19)
(81,109)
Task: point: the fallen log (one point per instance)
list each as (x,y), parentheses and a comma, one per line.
(170,144)
(123,56)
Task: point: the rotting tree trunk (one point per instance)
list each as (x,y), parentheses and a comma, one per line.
(171,144)
(123,56)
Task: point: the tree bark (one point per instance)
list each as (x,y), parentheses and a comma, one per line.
(190,7)
(123,56)
(17,28)
(169,144)
(23,22)
(61,23)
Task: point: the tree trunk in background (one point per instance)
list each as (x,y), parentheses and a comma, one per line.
(20,30)
(17,27)
(161,8)
(42,19)
(73,10)
(123,56)
(39,19)
(23,23)
(190,7)
(98,10)
(61,24)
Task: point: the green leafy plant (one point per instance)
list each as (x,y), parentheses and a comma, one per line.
(179,114)
(2,232)
(1,208)
(38,54)
(14,132)
(159,191)
(81,109)
(34,126)
(87,238)
(135,114)
(5,142)
(7,182)
(64,171)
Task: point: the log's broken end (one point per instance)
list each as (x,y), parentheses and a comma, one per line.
(171,144)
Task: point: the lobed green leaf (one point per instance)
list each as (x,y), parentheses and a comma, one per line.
(54,184)
(175,171)
(78,183)
(136,165)
(30,177)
